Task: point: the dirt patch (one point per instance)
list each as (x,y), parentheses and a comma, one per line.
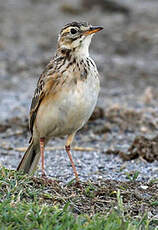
(84,198)
(146,149)
(93,197)
(130,119)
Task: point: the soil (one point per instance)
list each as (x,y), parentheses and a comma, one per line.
(129,199)
(102,196)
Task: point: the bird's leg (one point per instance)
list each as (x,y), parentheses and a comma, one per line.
(42,140)
(67,147)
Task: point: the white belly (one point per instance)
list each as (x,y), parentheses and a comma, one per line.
(69,110)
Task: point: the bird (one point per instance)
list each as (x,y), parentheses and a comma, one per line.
(65,96)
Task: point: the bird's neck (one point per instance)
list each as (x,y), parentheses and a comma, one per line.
(82,51)
(79,52)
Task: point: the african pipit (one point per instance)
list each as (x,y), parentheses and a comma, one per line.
(65,96)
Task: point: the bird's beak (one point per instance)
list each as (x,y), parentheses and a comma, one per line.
(92,30)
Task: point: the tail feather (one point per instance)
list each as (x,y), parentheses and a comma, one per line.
(30,160)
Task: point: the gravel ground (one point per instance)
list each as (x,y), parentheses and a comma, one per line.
(126,54)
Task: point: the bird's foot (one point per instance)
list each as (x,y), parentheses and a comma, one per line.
(46,179)
(44,174)
(78,184)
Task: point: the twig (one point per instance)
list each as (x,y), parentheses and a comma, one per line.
(51,148)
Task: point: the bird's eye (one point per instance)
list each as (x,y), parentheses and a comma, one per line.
(73,31)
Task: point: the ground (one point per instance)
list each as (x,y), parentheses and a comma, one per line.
(29,202)
(118,146)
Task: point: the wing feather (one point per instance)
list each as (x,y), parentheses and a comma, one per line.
(44,85)
(48,81)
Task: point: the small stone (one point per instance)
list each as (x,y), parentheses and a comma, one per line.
(144,187)
(144,129)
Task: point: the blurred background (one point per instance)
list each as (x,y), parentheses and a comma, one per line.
(126,53)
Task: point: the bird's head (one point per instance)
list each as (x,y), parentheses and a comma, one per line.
(77,36)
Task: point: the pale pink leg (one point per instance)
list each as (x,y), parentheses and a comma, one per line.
(72,163)
(67,147)
(42,140)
